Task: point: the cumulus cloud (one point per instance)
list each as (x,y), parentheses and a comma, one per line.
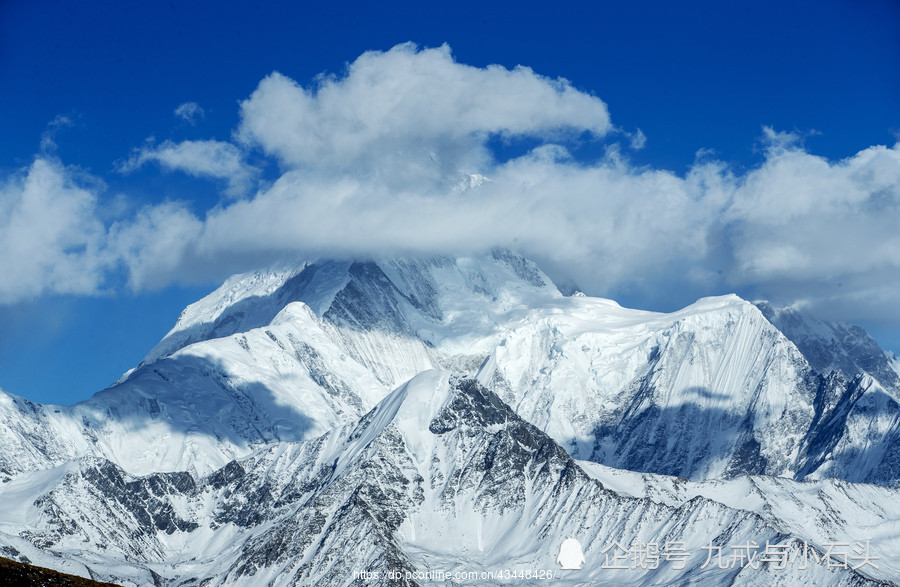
(394,157)
(50,235)
(154,245)
(213,159)
(190,112)
(804,227)
(412,115)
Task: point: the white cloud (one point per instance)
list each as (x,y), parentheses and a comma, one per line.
(797,228)
(607,224)
(213,159)
(190,112)
(373,162)
(155,244)
(48,139)
(807,227)
(638,140)
(51,239)
(411,114)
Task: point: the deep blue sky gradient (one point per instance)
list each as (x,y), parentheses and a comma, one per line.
(691,75)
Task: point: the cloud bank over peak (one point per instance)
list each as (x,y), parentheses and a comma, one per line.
(395,156)
(405,103)
(825,233)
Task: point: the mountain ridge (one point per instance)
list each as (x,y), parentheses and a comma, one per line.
(359,500)
(718,370)
(367,388)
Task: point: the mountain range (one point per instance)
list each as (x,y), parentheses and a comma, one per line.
(454,421)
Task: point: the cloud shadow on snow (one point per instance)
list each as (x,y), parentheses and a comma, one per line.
(194,395)
(681,441)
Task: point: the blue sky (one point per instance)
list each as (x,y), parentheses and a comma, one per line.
(661,152)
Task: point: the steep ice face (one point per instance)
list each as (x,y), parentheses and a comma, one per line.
(708,391)
(35,436)
(856,433)
(834,346)
(894,361)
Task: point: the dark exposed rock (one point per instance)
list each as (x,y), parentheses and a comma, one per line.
(16,573)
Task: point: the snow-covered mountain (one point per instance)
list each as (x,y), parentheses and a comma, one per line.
(710,391)
(713,390)
(440,476)
(833,346)
(303,423)
(894,361)
(253,363)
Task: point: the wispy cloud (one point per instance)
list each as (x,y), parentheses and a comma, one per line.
(190,112)
(48,139)
(827,231)
(638,140)
(372,161)
(212,159)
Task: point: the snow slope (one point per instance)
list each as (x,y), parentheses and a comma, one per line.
(834,346)
(439,475)
(306,423)
(709,391)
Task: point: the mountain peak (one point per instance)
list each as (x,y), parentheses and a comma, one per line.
(833,346)
(362,411)
(402,295)
(412,407)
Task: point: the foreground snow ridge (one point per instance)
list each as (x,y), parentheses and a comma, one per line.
(418,421)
